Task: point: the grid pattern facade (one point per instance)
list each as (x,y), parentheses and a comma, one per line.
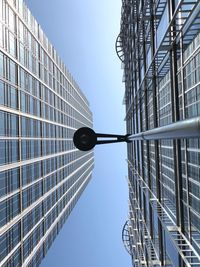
(42,174)
(159,46)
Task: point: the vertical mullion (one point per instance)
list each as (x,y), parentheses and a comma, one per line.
(176,117)
(155,124)
(185,141)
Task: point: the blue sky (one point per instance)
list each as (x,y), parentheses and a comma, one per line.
(84,34)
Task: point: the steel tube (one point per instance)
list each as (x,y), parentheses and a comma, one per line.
(189,128)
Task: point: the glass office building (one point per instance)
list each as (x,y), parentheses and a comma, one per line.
(159,46)
(42,174)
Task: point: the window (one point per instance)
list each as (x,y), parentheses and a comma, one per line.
(14,260)
(32,218)
(12,69)
(14,150)
(31,194)
(21,54)
(12,44)
(13,98)
(11,22)
(9,209)
(8,96)
(9,124)
(13,129)
(2,92)
(24,155)
(2,152)
(23,101)
(9,240)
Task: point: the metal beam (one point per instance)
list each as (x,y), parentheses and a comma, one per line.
(189,128)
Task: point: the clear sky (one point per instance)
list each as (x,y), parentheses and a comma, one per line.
(84,34)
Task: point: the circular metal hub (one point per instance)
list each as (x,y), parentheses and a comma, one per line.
(85,139)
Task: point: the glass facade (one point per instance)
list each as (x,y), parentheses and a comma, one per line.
(159,46)
(42,174)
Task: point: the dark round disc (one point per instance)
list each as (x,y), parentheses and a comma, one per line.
(85,139)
